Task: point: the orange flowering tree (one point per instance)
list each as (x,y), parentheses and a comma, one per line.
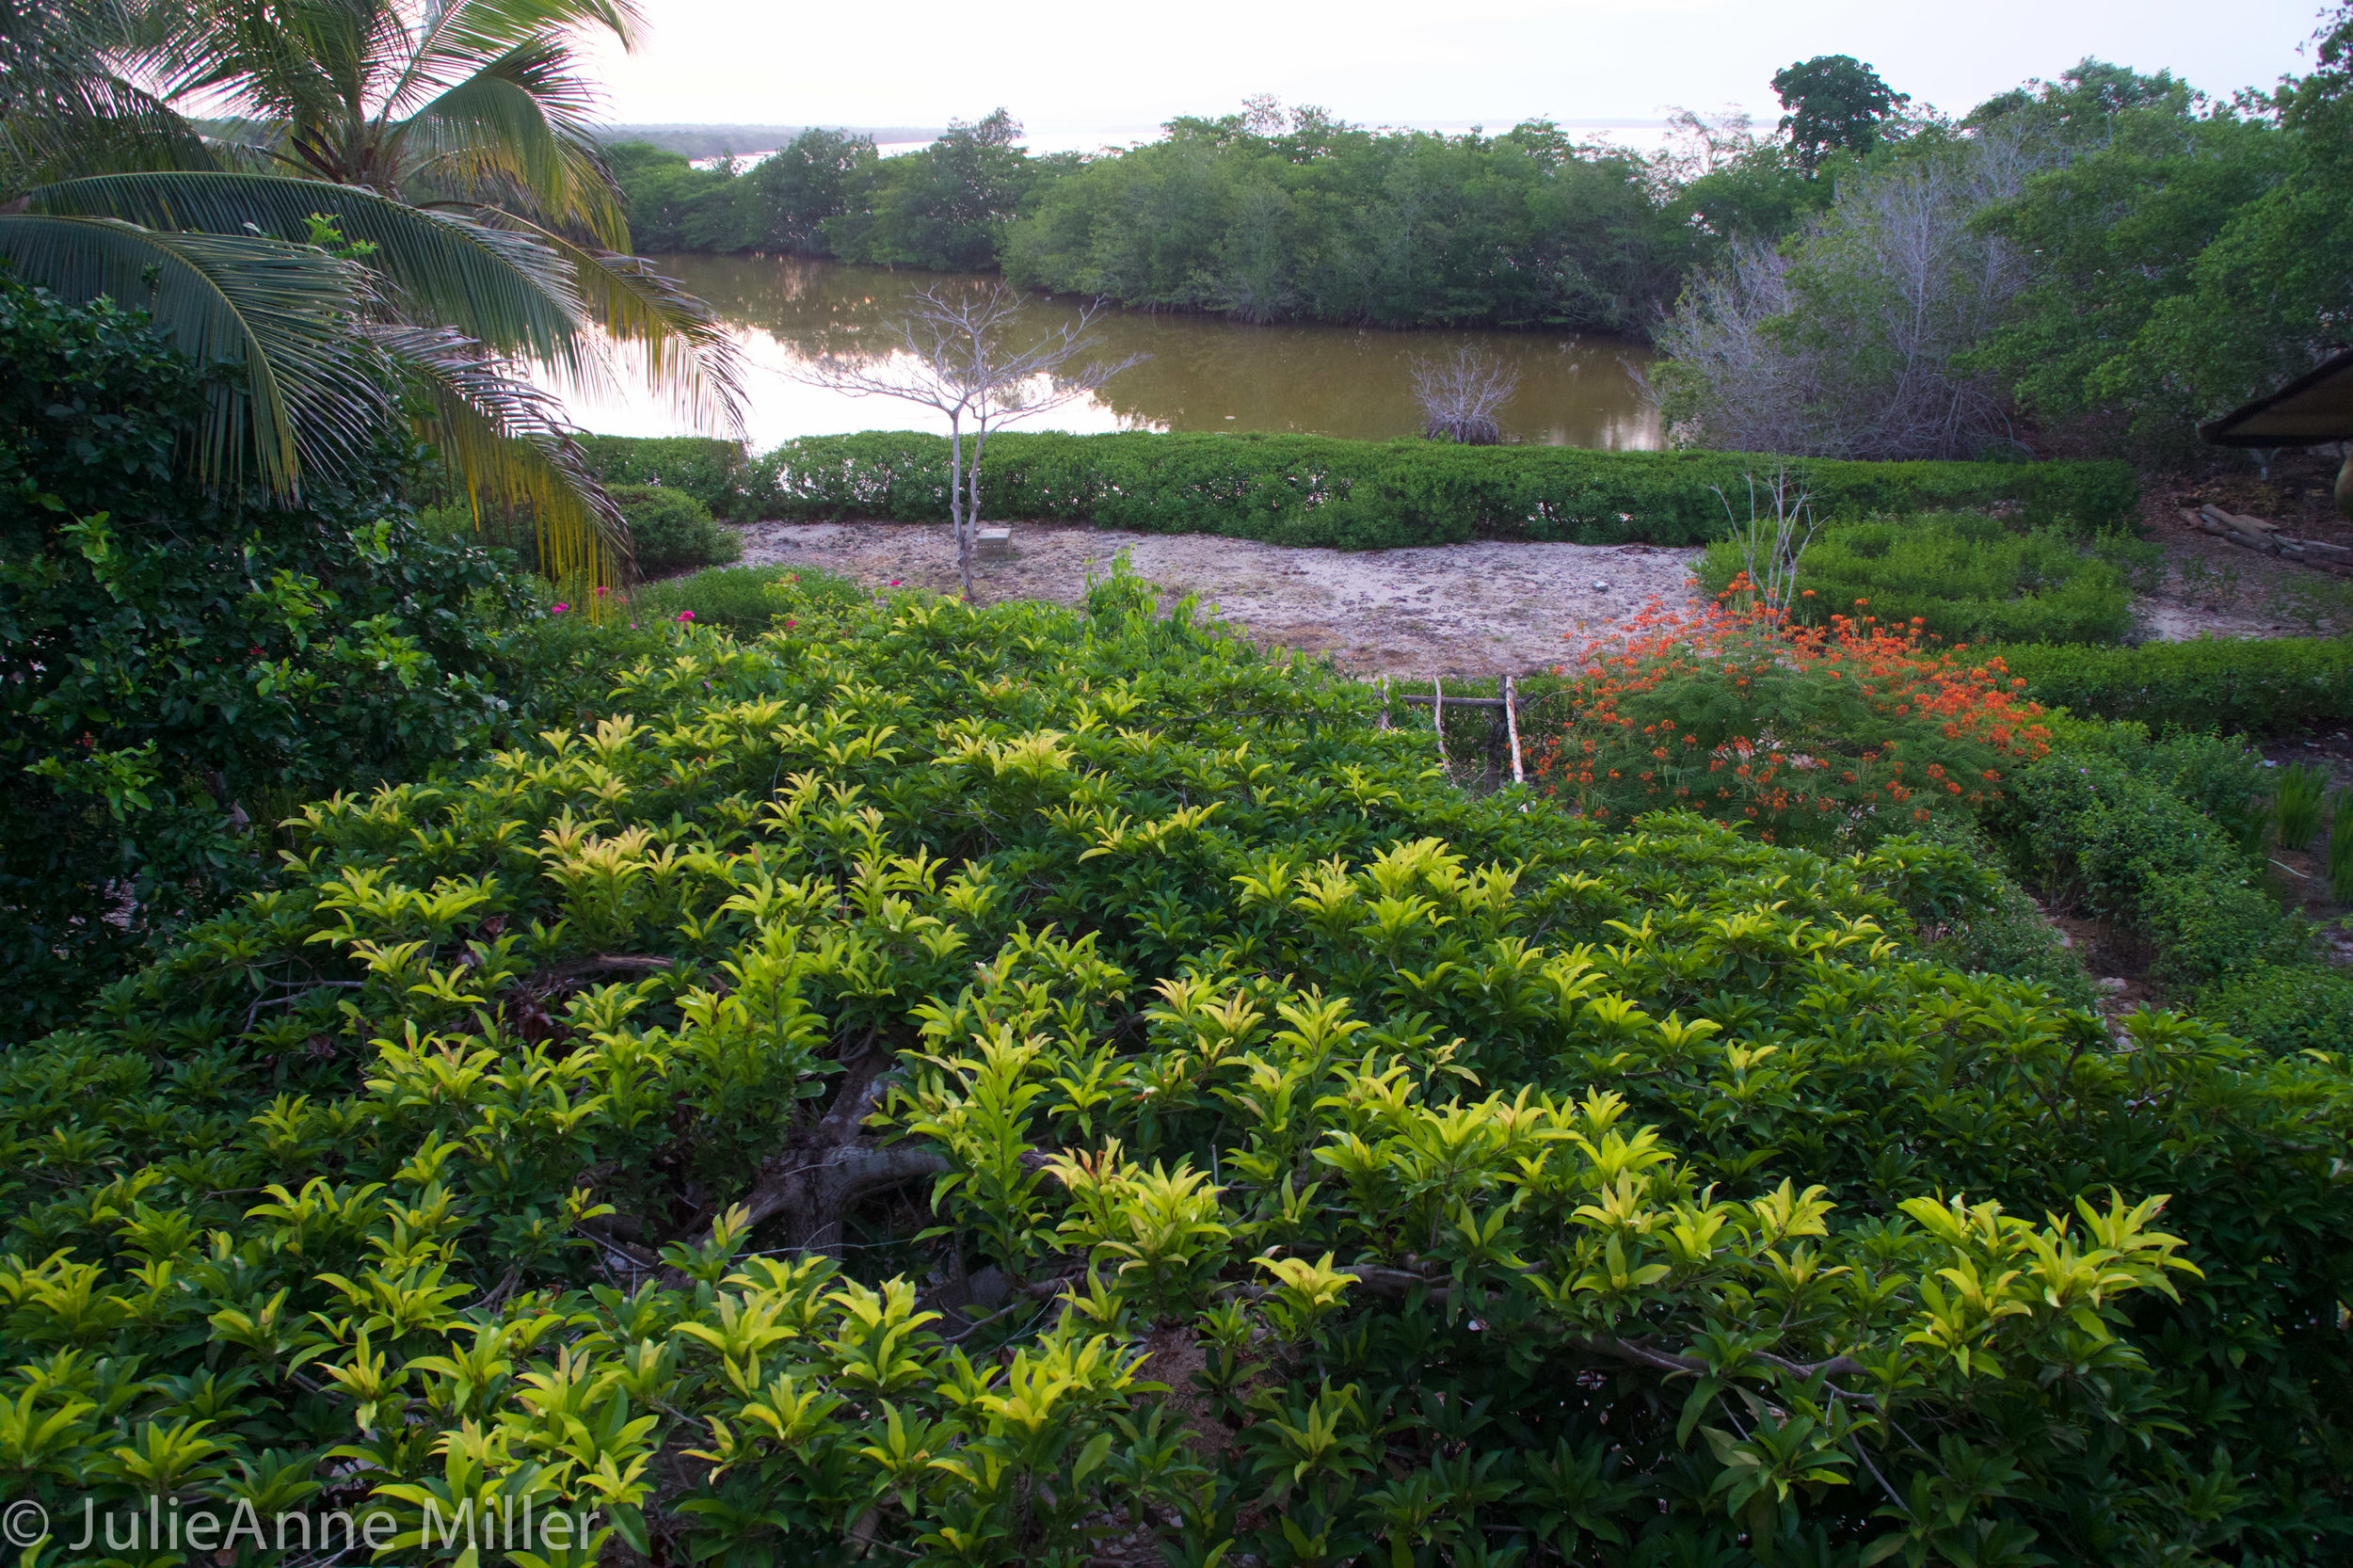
(1817,734)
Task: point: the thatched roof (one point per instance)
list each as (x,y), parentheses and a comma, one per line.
(2315,409)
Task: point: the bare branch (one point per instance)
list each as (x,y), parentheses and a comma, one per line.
(967,355)
(1460,392)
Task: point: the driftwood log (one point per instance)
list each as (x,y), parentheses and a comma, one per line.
(2262,536)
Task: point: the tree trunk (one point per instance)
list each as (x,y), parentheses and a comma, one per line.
(957,519)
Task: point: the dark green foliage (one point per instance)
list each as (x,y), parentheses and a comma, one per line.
(1364,495)
(1835,102)
(2119,232)
(2161,837)
(1331,222)
(2340,851)
(2284,1008)
(1966,577)
(790,196)
(669,529)
(181,667)
(946,208)
(675,206)
(2297,792)
(1307,219)
(1765,193)
(713,471)
(747,599)
(2259,687)
(1474,1151)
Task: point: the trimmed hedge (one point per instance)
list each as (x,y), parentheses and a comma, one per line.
(1319,490)
(2228,685)
(2159,836)
(713,472)
(2286,1008)
(1965,578)
(1370,495)
(671,529)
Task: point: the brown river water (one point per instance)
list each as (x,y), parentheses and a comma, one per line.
(1205,373)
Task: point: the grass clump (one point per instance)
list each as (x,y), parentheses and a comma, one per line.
(745,598)
(1965,577)
(2295,803)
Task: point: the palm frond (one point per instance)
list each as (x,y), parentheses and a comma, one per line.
(259,54)
(690,358)
(474,28)
(510,445)
(497,286)
(518,128)
(93,125)
(66,106)
(279,314)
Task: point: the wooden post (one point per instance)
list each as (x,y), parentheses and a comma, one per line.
(1437,709)
(1512,723)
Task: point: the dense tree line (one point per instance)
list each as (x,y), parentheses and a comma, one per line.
(2089,264)
(830,193)
(1266,216)
(2096,263)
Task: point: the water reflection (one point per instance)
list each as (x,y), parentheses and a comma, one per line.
(1204,374)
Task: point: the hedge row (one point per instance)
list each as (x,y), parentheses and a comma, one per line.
(2159,836)
(1355,495)
(2227,685)
(715,472)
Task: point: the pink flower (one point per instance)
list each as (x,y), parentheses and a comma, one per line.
(603,590)
(557,609)
(686,614)
(894,583)
(788,623)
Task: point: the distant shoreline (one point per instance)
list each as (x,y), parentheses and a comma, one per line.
(705,141)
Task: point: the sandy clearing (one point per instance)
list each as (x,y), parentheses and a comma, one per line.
(1467,609)
(1483,607)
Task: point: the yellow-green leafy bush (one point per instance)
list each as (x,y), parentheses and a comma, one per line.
(803,1115)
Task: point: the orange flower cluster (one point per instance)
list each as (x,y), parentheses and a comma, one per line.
(1814,733)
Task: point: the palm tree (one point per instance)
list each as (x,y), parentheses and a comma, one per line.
(374,184)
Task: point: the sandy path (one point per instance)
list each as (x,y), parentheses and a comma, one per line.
(1466,609)
(1476,609)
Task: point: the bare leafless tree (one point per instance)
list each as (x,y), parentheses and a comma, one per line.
(1698,144)
(1460,392)
(1773,541)
(1853,339)
(969,355)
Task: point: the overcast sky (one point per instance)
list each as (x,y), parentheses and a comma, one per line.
(1082,65)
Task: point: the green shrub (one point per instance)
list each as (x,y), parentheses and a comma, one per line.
(2284,1008)
(2253,686)
(1814,736)
(745,598)
(178,669)
(670,529)
(1363,495)
(602,1125)
(2341,846)
(2297,793)
(713,471)
(1964,579)
(2162,838)
(458,523)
